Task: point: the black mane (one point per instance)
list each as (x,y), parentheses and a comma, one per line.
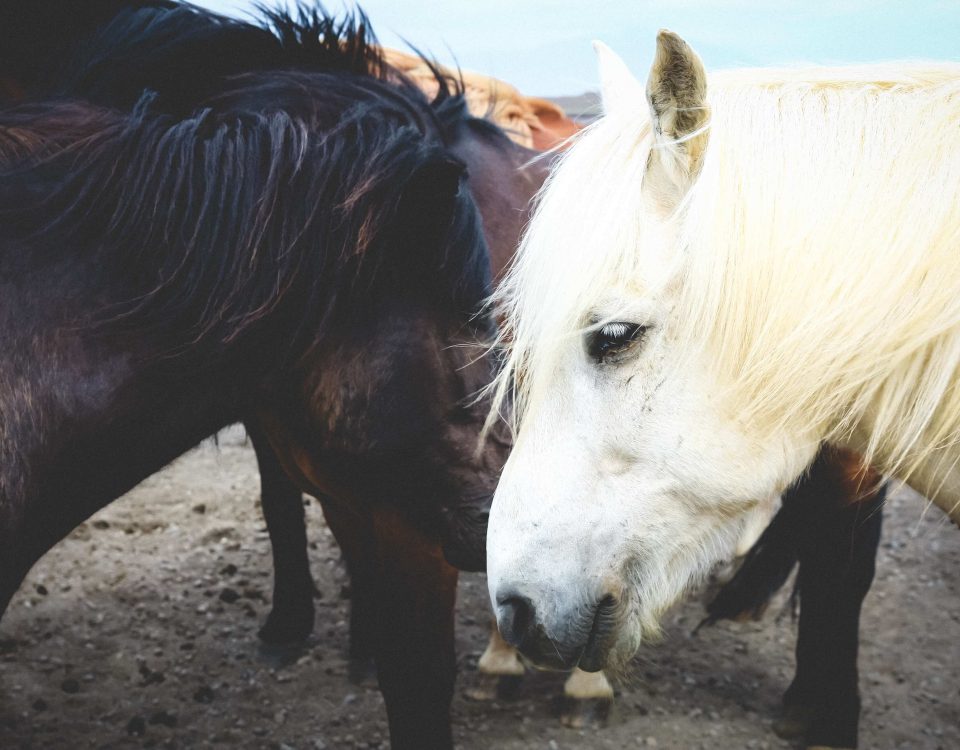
(112,51)
(294,188)
(186,54)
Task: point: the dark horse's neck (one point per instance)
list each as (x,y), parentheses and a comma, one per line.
(112,365)
(84,418)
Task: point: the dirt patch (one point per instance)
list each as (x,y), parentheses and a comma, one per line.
(140,631)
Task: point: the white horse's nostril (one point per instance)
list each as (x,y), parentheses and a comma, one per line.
(515,616)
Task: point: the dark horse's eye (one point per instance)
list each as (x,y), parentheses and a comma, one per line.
(613,339)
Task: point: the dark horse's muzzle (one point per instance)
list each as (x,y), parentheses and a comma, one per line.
(465,536)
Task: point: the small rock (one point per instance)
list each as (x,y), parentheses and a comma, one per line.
(41,589)
(70,685)
(229,570)
(201,508)
(101,524)
(229,596)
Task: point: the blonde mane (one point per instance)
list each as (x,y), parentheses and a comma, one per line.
(817,257)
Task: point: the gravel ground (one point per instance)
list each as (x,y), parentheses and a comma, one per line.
(139,630)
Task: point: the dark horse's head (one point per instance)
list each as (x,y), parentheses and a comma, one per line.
(391,391)
(383,406)
(308,203)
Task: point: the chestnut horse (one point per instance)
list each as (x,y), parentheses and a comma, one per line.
(298,253)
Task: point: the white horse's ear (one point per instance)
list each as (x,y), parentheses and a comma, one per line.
(677,95)
(621,93)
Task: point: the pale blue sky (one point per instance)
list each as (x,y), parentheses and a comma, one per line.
(544,47)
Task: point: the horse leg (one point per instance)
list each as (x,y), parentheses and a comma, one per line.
(837,553)
(291,617)
(587,700)
(354,534)
(500,669)
(416,662)
(12,570)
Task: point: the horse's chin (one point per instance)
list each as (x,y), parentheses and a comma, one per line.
(619,661)
(638,627)
(465,538)
(467,558)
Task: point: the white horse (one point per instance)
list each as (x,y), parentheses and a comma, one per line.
(715,284)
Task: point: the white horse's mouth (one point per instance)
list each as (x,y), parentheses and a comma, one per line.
(584,640)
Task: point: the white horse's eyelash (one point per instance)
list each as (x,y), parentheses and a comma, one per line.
(615,330)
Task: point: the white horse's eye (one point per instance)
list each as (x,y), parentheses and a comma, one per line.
(611,341)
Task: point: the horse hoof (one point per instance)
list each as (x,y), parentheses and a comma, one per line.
(485,689)
(793,724)
(490,687)
(585,713)
(362,671)
(280,655)
(508,686)
(282,629)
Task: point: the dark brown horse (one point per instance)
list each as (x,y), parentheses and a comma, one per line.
(299,254)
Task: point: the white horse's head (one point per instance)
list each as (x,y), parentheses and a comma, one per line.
(711,288)
(629,477)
